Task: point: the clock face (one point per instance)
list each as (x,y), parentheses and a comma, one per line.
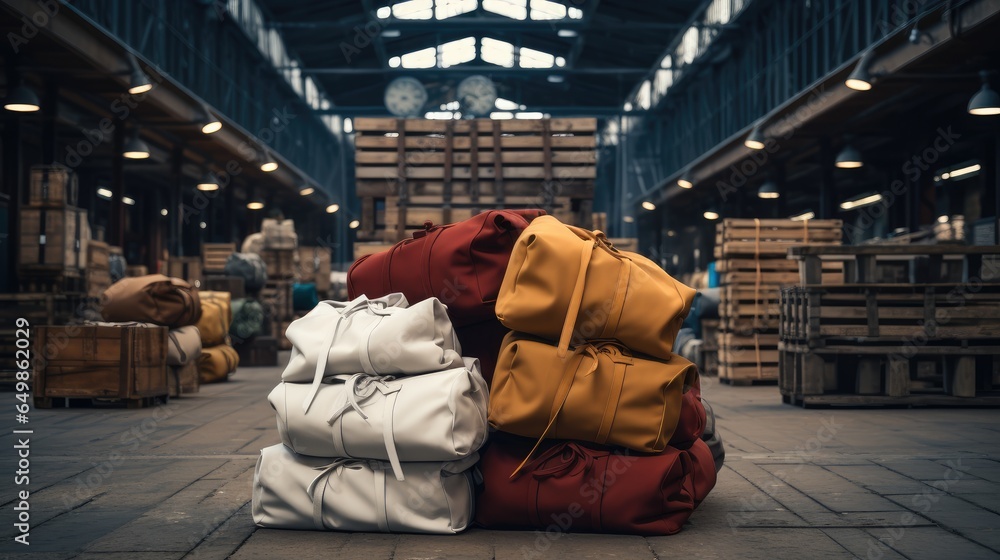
(477,95)
(405,97)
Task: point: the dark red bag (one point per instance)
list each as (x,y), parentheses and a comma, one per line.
(483,340)
(576,487)
(692,421)
(462,264)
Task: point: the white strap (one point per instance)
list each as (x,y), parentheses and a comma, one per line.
(359,387)
(380,509)
(387,434)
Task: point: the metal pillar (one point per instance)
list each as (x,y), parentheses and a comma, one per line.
(117,235)
(826,186)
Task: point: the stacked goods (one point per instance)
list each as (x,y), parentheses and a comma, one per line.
(314,267)
(136,271)
(214,256)
(232,284)
(411,171)
(183,352)
(186,268)
(462,264)
(20,311)
(277,299)
(53,233)
(152,302)
(589,364)
(753,266)
(116,263)
(279,234)
(376,403)
(218,359)
(98,273)
(122,362)
(915,325)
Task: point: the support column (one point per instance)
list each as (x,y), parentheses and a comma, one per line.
(827,199)
(175,207)
(117,235)
(50,114)
(11,169)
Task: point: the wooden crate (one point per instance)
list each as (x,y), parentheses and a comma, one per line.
(314,266)
(83,361)
(98,255)
(276,297)
(53,241)
(889,263)
(280,263)
(891,374)
(37,309)
(235,285)
(134,270)
(821,316)
(96,280)
(185,268)
(184,380)
(262,351)
(214,257)
(54,186)
(748,357)
(736,237)
(362,249)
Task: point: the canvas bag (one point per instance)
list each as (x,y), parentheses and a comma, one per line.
(298,492)
(183,345)
(250,267)
(216,363)
(248,319)
(154,298)
(214,323)
(603,489)
(568,284)
(462,264)
(438,416)
(601,393)
(383,336)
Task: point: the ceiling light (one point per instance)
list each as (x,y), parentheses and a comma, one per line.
(208,183)
(864,200)
(566,33)
(628,219)
(354,224)
(849,158)
(711,215)
(943,219)
(128,200)
(684,182)
(306,191)
(860,79)
(755,141)
(203,225)
(255,205)
(986,101)
(647,205)
(963,171)
(104,193)
(555,79)
(135,148)
(807,215)
(332,209)
(138,81)
(768,190)
(268,163)
(164,212)
(391,33)
(21,99)
(210,124)
(671,233)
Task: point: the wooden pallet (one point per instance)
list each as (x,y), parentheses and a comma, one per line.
(214,257)
(362,249)
(186,268)
(484,190)
(314,266)
(276,297)
(280,263)
(935,374)
(747,357)
(748,237)
(889,263)
(37,309)
(821,316)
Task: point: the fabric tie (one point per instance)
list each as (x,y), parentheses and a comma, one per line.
(359,303)
(560,460)
(338,466)
(361,386)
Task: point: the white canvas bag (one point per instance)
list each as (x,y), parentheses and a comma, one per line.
(383,336)
(297,492)
(437,416)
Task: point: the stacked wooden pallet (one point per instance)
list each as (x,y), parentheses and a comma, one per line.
(276,297)
(36,310)
(214,257)
(868,342)
(98,273)
(409,171)
(314,267)
(710,347)
(186,268)
(753,266)
(53,233)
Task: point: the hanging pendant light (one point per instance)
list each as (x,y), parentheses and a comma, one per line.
(986,101)
(21,99)
(135,148)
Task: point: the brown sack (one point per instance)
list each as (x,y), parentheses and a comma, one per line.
(154,298)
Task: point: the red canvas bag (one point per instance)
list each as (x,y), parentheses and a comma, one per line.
(577,487)
(462,264)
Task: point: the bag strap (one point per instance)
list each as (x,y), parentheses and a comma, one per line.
(617,383)
(575,300)
(361,386)
(562,393)
(177,344)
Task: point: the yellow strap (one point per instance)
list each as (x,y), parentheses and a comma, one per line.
(575,300)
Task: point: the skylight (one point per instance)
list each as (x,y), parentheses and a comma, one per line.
(544,9)
(457,52)
(445,9)
(530,58)
(424,58)
(496,52)
(506,104)
(414,9)
(514,9)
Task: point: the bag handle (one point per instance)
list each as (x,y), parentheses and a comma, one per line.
(575,300)
(562,393)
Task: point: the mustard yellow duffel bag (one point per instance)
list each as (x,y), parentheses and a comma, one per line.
(216,317)
(568,284)
(216,363)
(600,393)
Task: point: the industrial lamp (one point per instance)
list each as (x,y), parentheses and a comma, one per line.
(986,101)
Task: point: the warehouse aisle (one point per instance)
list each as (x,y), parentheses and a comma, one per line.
(175,482)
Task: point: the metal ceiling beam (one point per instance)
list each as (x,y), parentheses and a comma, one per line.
(559,110)
(377,41)
(481,23)
(474,69)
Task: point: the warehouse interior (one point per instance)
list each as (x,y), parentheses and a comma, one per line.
(801,199)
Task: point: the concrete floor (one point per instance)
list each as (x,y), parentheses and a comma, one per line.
(174,482)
